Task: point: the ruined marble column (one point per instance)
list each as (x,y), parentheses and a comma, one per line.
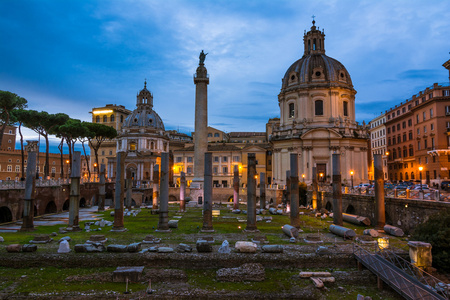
(201,81)
(337,190)
(295,217)
(101,189)
(236,187)
(28,205)
(129,187)
(262,190)
(251,193)
(207,192)
(182,192)
(288,187)
(155,187)
(315,188)
(74,199)
(163,224)
(380,215)
(119,192)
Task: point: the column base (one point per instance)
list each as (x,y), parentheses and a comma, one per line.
(118,230)
(74,228)
(163,230)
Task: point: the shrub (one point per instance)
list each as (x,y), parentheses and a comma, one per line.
(436,231)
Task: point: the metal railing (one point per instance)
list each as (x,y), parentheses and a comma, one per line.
(400,279)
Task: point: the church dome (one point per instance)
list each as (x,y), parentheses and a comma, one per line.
(144,115)
(315,68)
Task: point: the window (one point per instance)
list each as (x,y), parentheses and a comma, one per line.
(423,99)
(179,158)
(132,146)
(209,134)
(216,159)
(404,124)
(432,126)
(345,108)
(418,146)
(446,93)
(216,134)
(105,119)
(398,112)
(53,170)
(447,110)
(318,107)
(405,154)
(224,159)
(189,159)
(398,126)
(121,118)
(417,118)
(225,170)
(393,128)
(430,95)
(215,170)
(424,115)
(291,110)
(399,140)
(411,151)
(103,152)
(432,143)
(17,168)
(97,119)
(418,131)
(110,152)
(112,118)
(389,130)
(431,112)
(18,160)
(403,109)
(424,129)
(410,136)
(425,144)
(236,159)
(416,103)
(409,122)
(189,170)
(404,137)
(9,168)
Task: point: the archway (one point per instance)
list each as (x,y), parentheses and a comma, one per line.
(66,205)
(350,210)
(50,208)
(5,214)
(82,202)
(329,206)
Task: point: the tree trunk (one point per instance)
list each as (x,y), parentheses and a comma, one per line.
(60,147)
(22,178)
(47,157)
(85,157)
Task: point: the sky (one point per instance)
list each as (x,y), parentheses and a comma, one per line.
(71,56)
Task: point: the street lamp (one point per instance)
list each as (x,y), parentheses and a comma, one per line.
(303,176)
(67,163)
(420,170)
(351,176)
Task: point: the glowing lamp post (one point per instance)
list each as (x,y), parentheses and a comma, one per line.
(321,179)
(303,176)
(67,163)
(420,170)
(351,176)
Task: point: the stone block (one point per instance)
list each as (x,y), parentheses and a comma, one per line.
(272,248)
(97,238)
(173,223)
(29,248)
(64,247)
(246,247)
(184,248)
(14,248)
(117,248)
(133,274)
(41,239)
(150,239)
(203,246)
(165,250)
(134,247)
(420,254)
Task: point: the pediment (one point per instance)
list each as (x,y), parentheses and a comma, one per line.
(321,133)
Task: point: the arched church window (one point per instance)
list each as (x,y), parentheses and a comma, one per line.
(412,175)
(345,108)
(291,110)
(112,118)
(318,105)
(97,119)
(314,44)
(105,119)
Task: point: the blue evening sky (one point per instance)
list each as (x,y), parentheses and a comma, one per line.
(71,55)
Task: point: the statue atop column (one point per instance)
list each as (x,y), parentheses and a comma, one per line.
(202,57)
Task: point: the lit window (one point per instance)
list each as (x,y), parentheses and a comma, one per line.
(291,110)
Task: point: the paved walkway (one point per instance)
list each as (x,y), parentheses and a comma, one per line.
(85,214)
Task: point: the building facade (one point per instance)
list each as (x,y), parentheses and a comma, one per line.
(317,117)
(377,131)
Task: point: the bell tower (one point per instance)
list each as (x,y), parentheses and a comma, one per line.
(144,98)
(314,41)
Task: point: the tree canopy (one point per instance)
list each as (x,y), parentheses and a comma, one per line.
(8,103)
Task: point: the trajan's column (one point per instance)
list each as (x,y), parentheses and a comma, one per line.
(201,81)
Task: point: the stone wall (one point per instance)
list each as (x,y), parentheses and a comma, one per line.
(403,213)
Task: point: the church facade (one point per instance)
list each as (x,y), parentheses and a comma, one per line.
(317,118)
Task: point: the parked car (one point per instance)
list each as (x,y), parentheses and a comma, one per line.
(362,186)
(445,185)
(421,187)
